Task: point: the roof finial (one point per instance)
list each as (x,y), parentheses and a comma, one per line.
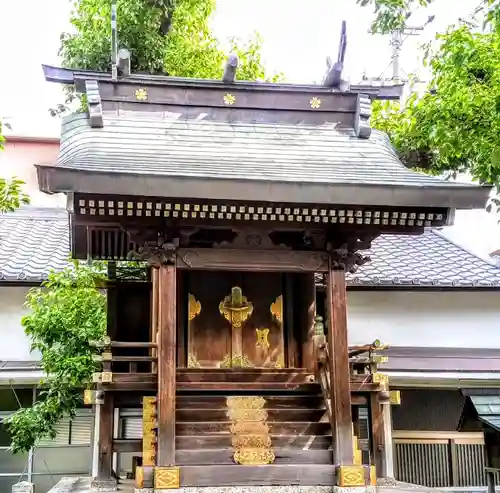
(333,76)
(230,67)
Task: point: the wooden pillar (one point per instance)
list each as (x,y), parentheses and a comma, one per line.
(165,475)
(154,315)
(489,440)
(307,300)
(105,458)
(378,445)
(106,411)
(339,368)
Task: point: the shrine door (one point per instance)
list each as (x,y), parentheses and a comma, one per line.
(235,320)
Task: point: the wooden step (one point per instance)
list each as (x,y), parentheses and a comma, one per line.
(290,414)
(225,456)
(270,475)
(188,428)
(292,375)
(294,401)
(248,387)
(302,442)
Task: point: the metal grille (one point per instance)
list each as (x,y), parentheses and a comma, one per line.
(426,464)
(110,245)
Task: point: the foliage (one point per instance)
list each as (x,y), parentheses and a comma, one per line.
(454,127)
(163,36)
(11,193)
(391,14)
(67,312)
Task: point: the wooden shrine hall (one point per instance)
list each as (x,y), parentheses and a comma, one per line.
(237,195)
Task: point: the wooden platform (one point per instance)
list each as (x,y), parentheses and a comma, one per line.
(300,433)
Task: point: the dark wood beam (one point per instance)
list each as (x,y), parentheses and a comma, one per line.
(105,461)
(167,331)
(338,352)
(308,314)
(378,444)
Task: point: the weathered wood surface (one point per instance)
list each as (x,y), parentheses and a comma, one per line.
(147,382)
(307,305)
(167,329)
(378,435)
(269,475)
(105,448)
(338,352)
(218,441)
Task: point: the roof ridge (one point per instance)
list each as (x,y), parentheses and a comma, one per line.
(463,248)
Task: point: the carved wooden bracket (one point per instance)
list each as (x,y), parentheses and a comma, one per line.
(347,260)
(94,103)
(156,254)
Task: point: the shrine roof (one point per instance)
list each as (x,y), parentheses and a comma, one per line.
(34,241)
(160,154)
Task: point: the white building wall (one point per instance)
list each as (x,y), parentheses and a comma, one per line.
(432,319)
(464,319)
(14,343)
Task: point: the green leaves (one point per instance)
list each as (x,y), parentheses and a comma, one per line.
(66,313)
(391,15)
(12,195)
(163,36)
(453,128)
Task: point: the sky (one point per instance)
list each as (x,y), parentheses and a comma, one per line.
(298,36)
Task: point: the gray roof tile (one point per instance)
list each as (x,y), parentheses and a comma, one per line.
(165,145)
(34,241)
(426,260)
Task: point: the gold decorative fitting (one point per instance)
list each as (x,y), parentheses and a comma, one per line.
(380,378)
(167,478)
(107,377)
(247,414)
(91,397)
(139,477)
(141,94)
(262,338)
(194,307)
(351,476)
(236,308)
(235,362)
(252,402)
(315,103)
(251,441)
(229,99)
(277,309)
(254,456)
(107,356)
(395,397)
(280,362)
(192,361)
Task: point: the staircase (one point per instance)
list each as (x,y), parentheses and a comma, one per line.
(294,414)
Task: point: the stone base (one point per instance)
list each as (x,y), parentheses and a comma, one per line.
(23,487)
(103,485)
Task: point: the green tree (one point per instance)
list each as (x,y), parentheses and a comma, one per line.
(67,312)
(11,193)
(453,127)
(163,36)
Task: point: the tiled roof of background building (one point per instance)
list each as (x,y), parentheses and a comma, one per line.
(426,260)
(35,241)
